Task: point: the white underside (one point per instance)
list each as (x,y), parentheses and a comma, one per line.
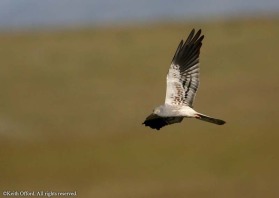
(175,110)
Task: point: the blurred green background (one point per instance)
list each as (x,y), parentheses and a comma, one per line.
(72,103)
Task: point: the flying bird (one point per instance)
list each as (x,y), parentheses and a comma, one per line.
(182,85)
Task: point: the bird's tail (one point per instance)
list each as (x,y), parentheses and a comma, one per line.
(210,119)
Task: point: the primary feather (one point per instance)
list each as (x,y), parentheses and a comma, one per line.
(183,75)
(182,85)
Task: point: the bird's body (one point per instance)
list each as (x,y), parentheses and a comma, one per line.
(182,85)
(167,110)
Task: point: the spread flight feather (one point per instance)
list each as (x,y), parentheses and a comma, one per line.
(183,75)
(182,85)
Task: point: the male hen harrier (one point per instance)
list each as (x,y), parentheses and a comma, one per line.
(182,85)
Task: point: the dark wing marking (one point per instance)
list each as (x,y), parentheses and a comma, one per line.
(156,122)
(183,75)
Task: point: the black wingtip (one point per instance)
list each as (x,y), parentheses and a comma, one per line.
(188,51)
(191,35)
(155,122)
(193,31)
(152,126)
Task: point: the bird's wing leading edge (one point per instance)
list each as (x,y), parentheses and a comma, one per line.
(183,75)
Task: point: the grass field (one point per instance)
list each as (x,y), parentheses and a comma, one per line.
(72,103)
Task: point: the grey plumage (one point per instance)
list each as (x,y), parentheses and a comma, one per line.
(182,85)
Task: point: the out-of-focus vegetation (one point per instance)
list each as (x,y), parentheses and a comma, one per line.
(72,104)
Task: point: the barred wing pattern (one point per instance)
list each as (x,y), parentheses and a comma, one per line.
(183,75)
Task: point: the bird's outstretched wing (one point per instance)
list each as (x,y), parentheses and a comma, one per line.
(157,122)
(183,75)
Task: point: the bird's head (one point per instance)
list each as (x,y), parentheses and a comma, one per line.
(157,110)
